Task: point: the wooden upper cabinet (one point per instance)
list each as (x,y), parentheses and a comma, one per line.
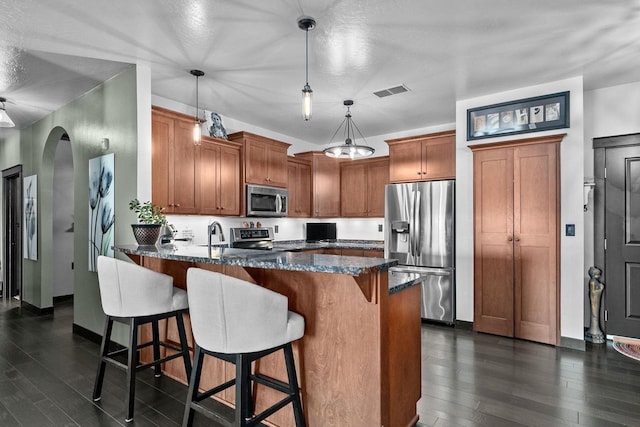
(190,179)
(174,160)
(422,158)
(220,185)
(265,159)
(299,188)
(325,184)
(362,187)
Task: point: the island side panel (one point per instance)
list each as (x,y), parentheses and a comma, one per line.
(405,359)
(339,355)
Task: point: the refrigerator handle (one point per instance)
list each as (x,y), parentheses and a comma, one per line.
(416,226)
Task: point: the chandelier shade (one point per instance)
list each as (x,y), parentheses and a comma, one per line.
(350,149)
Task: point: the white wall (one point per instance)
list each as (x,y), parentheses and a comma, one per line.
(571,182)
(63,220)
(289,228)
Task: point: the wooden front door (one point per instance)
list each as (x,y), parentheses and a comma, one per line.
(516,240)
(622,233)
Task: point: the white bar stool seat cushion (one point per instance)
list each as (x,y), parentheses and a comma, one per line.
(230,315)
(128,290)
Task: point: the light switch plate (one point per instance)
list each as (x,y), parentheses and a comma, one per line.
(570,229)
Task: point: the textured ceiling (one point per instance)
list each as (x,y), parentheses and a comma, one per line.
(253,54)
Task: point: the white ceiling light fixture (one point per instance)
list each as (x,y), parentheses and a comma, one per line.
(197,126)
(5,120)
(349,150)
(306,23)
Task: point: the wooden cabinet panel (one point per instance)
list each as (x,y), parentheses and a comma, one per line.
(353,189)
(362,187)
(516,239)
(325,184)
(422,158)
(230,185)
(161,140)
(220,179)
(265,159)
(377,178)
(299,188)
(174,162)
(405,161)
(352,252)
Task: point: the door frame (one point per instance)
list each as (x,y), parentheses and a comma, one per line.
(600,146)
(11,173)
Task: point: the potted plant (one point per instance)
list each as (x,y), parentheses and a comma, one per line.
(151,219)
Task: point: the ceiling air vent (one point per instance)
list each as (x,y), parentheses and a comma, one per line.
(391,91)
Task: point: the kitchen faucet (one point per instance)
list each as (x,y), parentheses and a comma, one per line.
(211,230)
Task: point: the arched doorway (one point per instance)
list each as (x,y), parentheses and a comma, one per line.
(57,237)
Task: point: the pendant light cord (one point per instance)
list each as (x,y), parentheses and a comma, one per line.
(197,100)
(307,54)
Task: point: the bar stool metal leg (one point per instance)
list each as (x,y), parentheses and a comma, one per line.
(104,350)
(293,384)
(184,346)
(132,362)
(156,348)
(194,384)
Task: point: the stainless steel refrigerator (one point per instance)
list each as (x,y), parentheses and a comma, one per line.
(419,233)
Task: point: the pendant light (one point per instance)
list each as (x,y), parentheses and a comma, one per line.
(5,120)
(349,150)
(306,23)
(197,126)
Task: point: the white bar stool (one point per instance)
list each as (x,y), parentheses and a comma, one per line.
(240,322)
(136,295)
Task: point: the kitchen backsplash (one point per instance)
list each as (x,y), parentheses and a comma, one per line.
(288,228)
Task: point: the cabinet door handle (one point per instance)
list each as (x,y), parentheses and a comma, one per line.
(419,173)
(177,205)
(509,239)
(517,239)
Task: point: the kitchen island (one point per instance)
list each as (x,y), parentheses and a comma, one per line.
(359,360)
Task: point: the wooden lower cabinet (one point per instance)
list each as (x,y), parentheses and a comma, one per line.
(516,261)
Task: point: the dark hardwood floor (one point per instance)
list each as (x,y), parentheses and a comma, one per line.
(468,379)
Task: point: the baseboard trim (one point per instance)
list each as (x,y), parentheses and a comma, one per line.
(36,310)
(62,298)
(463,324)
(86,333)
(573,343)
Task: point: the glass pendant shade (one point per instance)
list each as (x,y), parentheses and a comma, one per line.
(197,133)
(307,96)
(349,150)
(197,129)
(5,120)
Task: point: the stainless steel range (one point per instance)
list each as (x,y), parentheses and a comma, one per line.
(252,238)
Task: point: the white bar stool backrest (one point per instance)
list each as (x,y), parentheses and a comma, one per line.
(128,290)
(230,315)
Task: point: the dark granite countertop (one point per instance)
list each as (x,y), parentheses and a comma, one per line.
(302,245)
(278,259)
(281,259)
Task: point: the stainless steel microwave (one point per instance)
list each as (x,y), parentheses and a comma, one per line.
(267,201)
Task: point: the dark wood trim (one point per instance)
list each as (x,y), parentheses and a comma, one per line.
(421,137)
(36,310)
(86,333)
(518,142)
(62,298)
(617,141)
(464,325)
